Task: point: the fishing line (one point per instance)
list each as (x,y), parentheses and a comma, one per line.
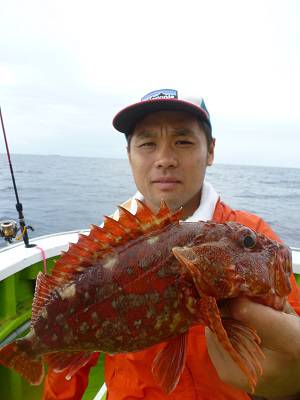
(44,259)
(19,206)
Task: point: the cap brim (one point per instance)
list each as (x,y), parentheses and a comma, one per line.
(127,118)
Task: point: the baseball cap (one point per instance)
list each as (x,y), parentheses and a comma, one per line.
(159,100)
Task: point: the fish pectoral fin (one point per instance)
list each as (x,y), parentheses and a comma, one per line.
(70,362)
(246,343)
(240,341)
(169,363)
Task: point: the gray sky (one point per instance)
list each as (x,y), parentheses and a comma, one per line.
(66,67)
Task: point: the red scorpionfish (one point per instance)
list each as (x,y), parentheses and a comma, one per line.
(146,279)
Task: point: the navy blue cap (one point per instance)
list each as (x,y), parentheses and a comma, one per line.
(159,100)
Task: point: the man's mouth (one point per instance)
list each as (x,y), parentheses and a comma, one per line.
(165,183)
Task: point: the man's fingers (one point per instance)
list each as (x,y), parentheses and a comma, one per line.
(278,330)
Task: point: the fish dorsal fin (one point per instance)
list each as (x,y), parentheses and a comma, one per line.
(102,241)
(43,287)
(151,222)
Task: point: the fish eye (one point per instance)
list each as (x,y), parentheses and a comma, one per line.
(249,241)
(246,237)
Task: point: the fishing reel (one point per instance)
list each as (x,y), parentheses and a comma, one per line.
(9,230)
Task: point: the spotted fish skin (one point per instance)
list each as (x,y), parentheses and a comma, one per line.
(144,280)
(134,298)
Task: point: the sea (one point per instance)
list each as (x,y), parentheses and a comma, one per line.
(61,193)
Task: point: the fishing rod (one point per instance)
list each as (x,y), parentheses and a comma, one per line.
(9,229)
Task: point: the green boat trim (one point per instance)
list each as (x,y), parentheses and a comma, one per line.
(19,267)
(18,271)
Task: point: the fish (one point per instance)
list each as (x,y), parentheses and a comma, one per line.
(145,279)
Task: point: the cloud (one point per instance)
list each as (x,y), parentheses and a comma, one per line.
(66,68)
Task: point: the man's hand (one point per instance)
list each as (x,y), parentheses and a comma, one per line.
(280,341)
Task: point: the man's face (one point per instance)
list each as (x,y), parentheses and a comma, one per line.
(168,155)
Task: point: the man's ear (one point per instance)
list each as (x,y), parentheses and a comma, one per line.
(128,153)
(211,152)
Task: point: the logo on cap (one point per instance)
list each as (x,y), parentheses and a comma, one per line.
(161,94)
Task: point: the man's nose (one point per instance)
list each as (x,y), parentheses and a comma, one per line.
(166,157)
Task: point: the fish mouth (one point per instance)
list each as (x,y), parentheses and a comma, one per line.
(283,268)
(284,259)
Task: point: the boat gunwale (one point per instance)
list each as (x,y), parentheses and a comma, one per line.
(53,245)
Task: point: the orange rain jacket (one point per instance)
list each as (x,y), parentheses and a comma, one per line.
(128,376)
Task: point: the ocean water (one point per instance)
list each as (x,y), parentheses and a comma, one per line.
(67,193)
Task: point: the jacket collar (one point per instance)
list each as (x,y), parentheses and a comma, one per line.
(204,212)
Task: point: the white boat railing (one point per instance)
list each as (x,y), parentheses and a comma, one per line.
(101,393)
(296,259)
(14,258)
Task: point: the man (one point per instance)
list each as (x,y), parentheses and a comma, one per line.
(170,145)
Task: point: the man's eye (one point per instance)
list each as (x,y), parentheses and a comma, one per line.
(184,142)
(147,144)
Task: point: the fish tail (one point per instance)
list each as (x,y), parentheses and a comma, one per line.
(31,369)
